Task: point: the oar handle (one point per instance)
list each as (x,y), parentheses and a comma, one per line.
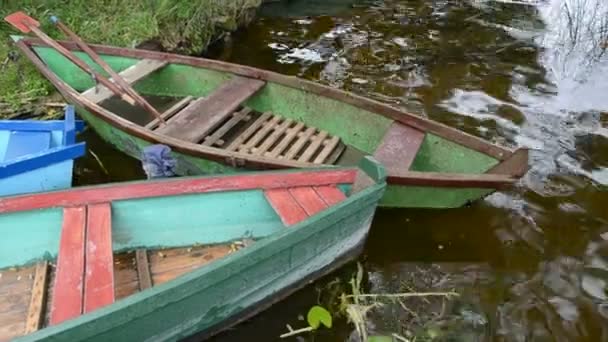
(120,81)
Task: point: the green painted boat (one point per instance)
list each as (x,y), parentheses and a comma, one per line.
(178,257)
(222,117)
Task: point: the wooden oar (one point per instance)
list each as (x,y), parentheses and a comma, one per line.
(115,76)
(26,24)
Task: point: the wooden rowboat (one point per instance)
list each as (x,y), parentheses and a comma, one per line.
(225,117)
(38,156)
(163,260)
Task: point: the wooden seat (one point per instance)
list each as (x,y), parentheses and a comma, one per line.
(399,147)
(275,137)
(132,74)
(203,115)
(296,204)
(84,279)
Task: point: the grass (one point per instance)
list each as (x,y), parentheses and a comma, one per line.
(186,27)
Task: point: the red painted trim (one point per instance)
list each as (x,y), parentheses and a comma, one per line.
(67,292)
(286,206)
(175,186)
(308,199)
(330,194)
(99,275)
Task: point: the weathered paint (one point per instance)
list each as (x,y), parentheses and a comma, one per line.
(440,155)
(429,197)
(52,177)
(37,236)
(221,290)
(160,222)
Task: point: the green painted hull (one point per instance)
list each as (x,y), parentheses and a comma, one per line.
(364,131)
(215,295)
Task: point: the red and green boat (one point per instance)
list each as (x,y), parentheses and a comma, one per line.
(172,258)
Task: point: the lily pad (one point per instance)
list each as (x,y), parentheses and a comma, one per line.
(317,315)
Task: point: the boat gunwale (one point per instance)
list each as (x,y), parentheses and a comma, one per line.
(177,186)
(502,154)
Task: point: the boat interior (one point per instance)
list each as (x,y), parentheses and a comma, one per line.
(221,120)
(70,257)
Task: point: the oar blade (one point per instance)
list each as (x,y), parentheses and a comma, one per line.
(21,21)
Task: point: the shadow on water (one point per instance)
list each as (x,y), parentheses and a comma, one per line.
(531,263)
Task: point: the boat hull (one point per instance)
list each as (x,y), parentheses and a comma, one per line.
(300,101)
(223,293)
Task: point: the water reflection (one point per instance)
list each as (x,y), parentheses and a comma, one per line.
(521,73)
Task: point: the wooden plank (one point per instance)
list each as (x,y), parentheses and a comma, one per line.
(219,133)
(35,314)
(308,199)
(335,155)
(132,74)
(281,146)
(260,135)
(313,147)
(285,206)
(399,147)
(273,137)
(452,180)
(192,107)
(143,269)
(167,114)
(516,165)
(327,150)
(175,186)
(297,146)
(69,278)
(249,132)
(99,275)
(330,194)
(194,125)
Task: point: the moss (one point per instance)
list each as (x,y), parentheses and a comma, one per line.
(186,27)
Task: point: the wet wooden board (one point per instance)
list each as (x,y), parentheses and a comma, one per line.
(399,147)
(272,138)
(214,138)
(126,280)
(287,139)
(132,74)
(143,269)
(35,316)
(299,144)
(329,146)
(313,147)
(69,282)
(260,135)
(167,114)
(193,125)
(166,265)
(249,132)
(99,279)
(15,296)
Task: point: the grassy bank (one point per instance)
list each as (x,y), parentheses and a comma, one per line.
(180,26)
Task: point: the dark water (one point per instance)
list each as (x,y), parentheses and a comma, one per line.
(532,263)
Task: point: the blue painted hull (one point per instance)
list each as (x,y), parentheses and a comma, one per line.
(37,156)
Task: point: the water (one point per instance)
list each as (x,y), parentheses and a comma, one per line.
(531,263)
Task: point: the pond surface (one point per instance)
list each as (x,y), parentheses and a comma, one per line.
(531,263)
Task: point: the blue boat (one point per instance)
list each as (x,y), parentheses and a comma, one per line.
(37,155)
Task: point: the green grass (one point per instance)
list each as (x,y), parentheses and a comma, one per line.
(179,26)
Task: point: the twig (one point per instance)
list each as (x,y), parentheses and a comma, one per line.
(296,332)
(400,338)
(406,295)
(99,161)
